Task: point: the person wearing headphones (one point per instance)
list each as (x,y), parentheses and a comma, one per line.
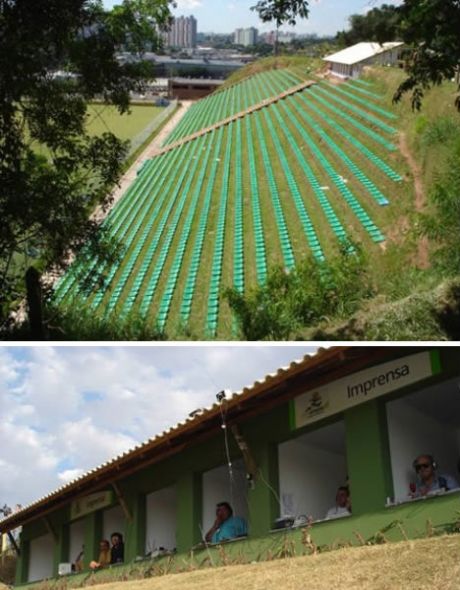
(428,479)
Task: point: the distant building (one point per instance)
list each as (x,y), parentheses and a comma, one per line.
(286,37)
(349,62)
(269,37)
(182,32)
(246,37)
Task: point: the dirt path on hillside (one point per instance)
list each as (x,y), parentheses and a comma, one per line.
(422,259)
(157,142)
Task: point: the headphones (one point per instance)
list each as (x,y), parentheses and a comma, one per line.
(429,457)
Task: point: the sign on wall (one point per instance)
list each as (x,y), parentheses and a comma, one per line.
(90,503)
(363,386)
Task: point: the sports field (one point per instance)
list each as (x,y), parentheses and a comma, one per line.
(300,176)
(102,118)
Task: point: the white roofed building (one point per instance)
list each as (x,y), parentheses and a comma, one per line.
(349,62)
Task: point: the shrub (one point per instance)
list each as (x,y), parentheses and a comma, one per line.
(289,301)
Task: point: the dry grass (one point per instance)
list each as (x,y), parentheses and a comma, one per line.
(421,564)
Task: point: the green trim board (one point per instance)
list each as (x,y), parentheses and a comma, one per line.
(361,387)
(91,503)
(436,367)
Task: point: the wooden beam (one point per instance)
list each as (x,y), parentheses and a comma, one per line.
(13,542)
(50,528)
(249,461)
(122,501)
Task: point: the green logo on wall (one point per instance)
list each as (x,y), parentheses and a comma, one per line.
(317,404)
(90,503)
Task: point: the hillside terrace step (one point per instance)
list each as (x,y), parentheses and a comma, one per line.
(260,105)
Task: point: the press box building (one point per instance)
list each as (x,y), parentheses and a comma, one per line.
(356,414)
(349,62)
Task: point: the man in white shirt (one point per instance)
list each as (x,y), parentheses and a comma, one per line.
(342,504)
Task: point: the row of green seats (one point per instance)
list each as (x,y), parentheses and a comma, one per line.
(258,229)
(320,194)
(127,232)
(171,282)
(195,260)
(175,161)
(123,213)
(304,217)
(317,89)
(164,207)
(376,194)
(343,115)
(69,278)
(349,119)
(218,254)
(169,224)
(363,91)
(383,166)
(238,238)
(345,192)
(283,233)
(192,120)
(368,105)
(363,82)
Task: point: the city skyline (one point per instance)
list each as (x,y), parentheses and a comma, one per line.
(327,17)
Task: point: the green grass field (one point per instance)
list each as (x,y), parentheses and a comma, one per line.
(300,176)
(102,118)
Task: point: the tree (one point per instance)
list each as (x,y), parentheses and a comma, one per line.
(379,24)
(431,29)
(281,11)
(55,56)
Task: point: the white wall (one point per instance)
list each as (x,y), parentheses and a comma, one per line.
(412,433)
(309,477)
(161,520)
(77,539)
(41,558)
(217,487)
(113,521)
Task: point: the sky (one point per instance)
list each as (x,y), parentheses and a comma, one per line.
(224,16)
(65,410)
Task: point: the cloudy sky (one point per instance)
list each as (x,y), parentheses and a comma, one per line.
(65,410)
(224,16)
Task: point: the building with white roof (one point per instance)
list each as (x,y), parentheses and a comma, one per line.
(349,62)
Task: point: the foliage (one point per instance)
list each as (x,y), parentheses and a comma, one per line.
(282,12)
(443,227)
(289,301)
(379,24)
(74,322)
(55,55)
(431,28)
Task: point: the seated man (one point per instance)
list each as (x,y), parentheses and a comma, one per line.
(226,526)
(342,504)
(104,556)
(428,480)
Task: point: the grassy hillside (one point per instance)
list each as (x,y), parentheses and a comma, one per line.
(303,176)
(421,565)
(329,166)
